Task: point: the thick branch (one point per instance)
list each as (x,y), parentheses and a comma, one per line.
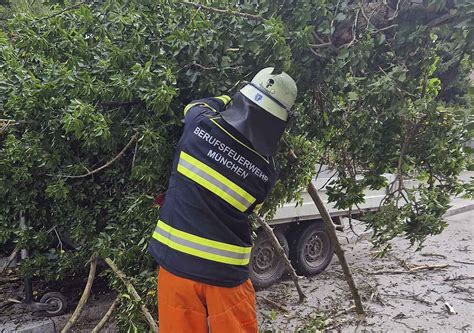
(281,253)
(84,297)
(109,162)
(134,293)
(331,230)
(223,11)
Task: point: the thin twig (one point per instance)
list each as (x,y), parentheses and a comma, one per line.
(84,297)
(319,171)
(354,32)
(395,14)
(223,11)
(109,162)
(464,262)
(351,226)
(411,270)
(318,38)
(386,28)
(332,21)
(275,304)
(433,255)
(5,123)
(460,277)
(344,311)
(134,154)
(62,11)
(315,53)
(10,260)
(367,19)
(134,293)
(327,181)
(319,46)
(107,315)
(206,68)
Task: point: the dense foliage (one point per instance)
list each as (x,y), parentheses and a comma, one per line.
(382,89)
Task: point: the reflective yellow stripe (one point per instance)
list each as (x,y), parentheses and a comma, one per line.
(224,98)
(218,176)
(200,246)
(233,137)
(189,106)
(199,253)
(211,187)
(201,240)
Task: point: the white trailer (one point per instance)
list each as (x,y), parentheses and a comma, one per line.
(301,233)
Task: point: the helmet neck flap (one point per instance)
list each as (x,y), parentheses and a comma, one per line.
(260,127)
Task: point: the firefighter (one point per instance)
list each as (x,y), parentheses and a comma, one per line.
(222,172)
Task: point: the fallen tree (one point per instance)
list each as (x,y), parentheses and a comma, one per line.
(91,98)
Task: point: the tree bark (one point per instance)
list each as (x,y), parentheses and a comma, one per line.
(281,253)
(133,291)
(85,296)
(331,229)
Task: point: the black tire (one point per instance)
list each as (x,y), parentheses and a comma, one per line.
(58,300)
(266,267)
(311,249)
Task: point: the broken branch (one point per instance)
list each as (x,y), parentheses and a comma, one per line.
(275,304)
(63,11)
(121,275)
(109,162)
(84,297)
(460,277)
(107,315)
(10,260)
(411,270)
(281,253)
(331,230)
(223,11)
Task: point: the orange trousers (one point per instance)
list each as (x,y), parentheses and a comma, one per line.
(186,306)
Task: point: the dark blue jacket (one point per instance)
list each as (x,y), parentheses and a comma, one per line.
(217,181)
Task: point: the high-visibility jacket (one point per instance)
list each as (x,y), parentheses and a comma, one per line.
(217,181)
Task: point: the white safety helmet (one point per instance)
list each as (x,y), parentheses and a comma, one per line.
(275,93)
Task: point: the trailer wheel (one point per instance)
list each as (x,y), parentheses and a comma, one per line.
(266,267)
(311,250)
(57,301)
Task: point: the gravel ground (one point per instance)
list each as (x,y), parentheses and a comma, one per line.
(395,299)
